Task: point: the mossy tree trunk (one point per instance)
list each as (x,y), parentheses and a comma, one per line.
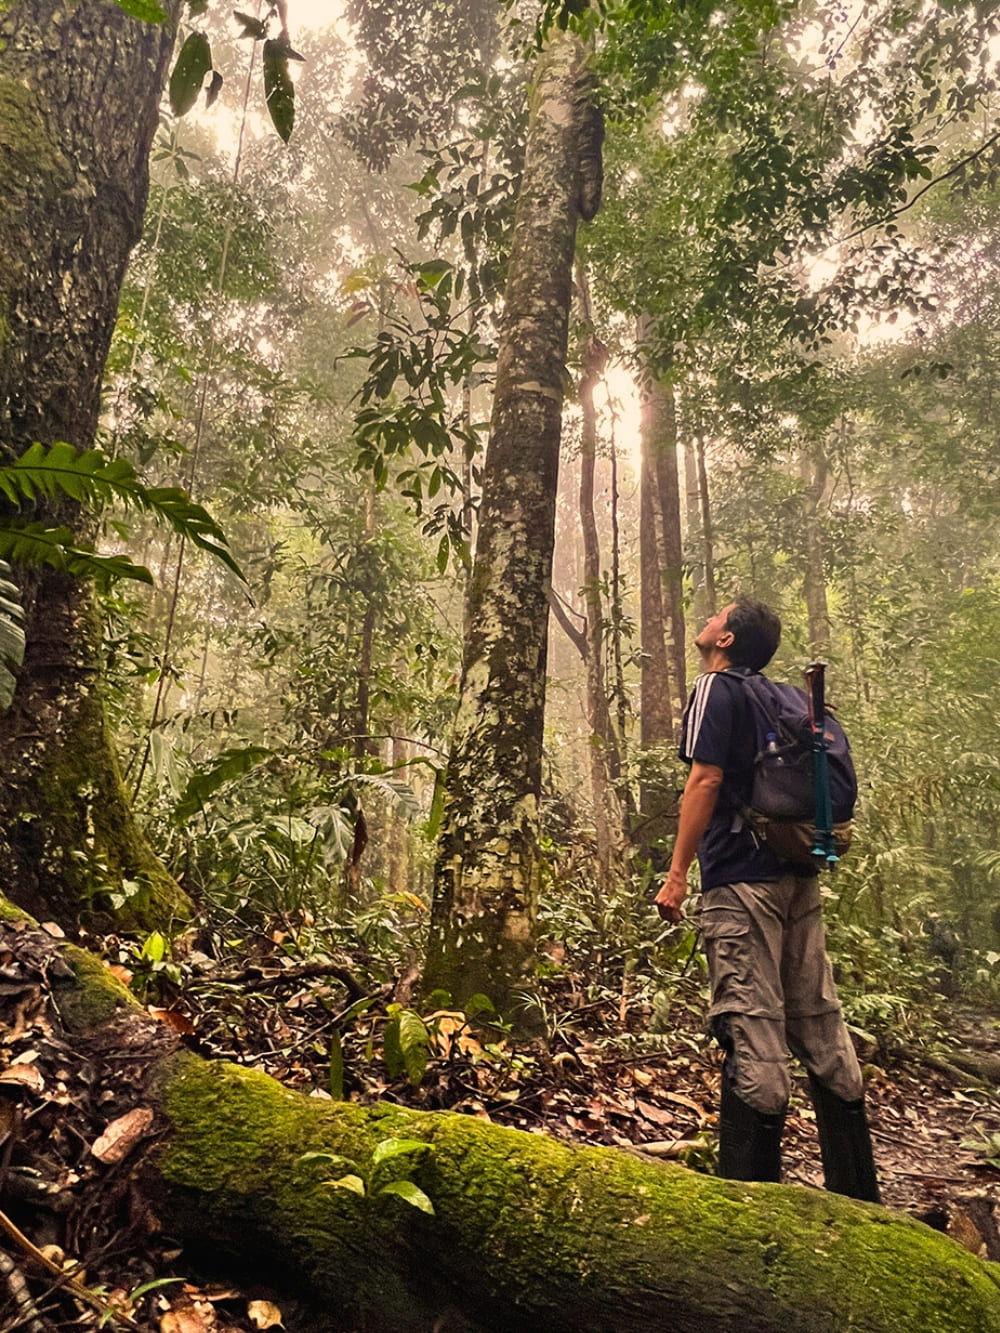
(79,94)
(526,1232)
(487,868)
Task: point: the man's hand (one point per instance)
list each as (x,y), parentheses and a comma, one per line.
(671,897)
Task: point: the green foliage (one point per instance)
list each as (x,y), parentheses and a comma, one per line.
(393,1162)
(225,768)
(279,91)
(91,479)
(30,543)
(11,635)
(987,1149)
(188,74)
(406,1044)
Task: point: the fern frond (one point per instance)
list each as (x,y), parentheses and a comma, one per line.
(402,797)
(35,544)
(11,635)
(92,479)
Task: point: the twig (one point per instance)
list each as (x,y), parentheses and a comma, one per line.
(254,975)
(81,1292)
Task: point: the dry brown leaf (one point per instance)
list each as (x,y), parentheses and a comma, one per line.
(121,973)
(121,1136)
(24,1076)
(172,1018)
(52,929)
(656,1114)
(448,1027)
(187,1319)
(678,1100)
(264,1314)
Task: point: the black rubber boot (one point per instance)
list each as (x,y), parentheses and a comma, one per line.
(749,1141)
(845,1144)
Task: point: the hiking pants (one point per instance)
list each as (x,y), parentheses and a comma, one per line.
(773,991)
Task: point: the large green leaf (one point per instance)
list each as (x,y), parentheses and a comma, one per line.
(188,74)
(390,1148)
(279,91)
(11,635)
(409,1193)
(93,479)
(230,765)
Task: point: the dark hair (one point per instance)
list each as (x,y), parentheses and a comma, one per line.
(756,632)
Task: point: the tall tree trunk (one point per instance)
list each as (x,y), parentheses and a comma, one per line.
(813,470)
(79,95)
(605,761)
(660,686)
(694,530)
(486,875)
(664,446)
(361,742)
(707,528)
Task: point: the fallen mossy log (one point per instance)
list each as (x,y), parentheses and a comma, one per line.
(526,1232)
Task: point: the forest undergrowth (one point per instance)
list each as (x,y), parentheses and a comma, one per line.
(332,1012)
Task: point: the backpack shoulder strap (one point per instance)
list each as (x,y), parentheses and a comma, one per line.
(759,695)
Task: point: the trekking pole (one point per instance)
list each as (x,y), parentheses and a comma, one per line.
(823,846)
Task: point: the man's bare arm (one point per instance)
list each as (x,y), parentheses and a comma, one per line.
(701,792)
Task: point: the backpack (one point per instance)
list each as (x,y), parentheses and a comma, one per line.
(782,807)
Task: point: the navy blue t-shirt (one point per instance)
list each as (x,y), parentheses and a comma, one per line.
(718,729)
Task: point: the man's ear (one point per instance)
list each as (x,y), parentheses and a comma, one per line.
(725,639)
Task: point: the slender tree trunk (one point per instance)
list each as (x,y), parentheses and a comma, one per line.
(79,95)
(398,873)
(693,530)
(605,762)
(813,470)
(657,718)
(659,690)
(707,530)
(664,445)
(486,876)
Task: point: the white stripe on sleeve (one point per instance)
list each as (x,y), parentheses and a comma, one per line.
(696,713)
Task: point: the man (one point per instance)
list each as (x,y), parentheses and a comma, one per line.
(771,982)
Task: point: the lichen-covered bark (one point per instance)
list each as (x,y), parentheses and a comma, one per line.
(79,95)
(527,1232)
(486,877)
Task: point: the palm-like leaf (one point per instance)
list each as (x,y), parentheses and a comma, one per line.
(94,480)
(35,544)
(11,636)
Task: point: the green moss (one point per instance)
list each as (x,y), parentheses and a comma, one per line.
(11,912)
(97,997)
(91,846)
(25,147)
(529,1224)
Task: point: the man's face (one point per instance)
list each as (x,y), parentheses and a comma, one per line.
(715,630)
